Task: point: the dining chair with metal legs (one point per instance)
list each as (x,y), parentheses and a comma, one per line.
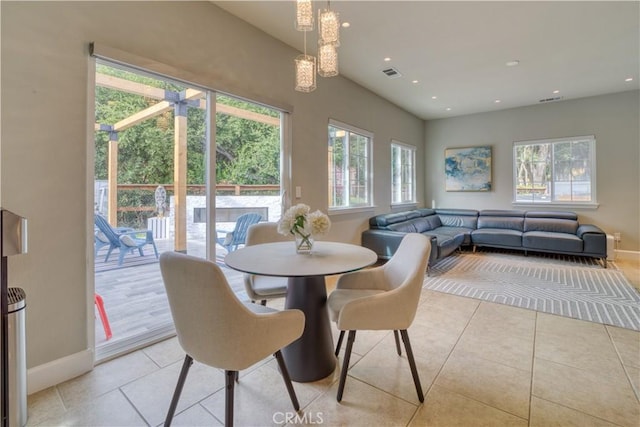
(382,298)
(216,329)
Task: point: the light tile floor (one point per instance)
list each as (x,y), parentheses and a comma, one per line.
(481,364)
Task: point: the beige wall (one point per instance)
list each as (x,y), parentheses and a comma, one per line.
(45,95)
(614,120)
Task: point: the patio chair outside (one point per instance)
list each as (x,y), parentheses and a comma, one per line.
(239,234)
(125,241)
(100,240)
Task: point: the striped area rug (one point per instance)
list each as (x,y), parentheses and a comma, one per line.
(574,287)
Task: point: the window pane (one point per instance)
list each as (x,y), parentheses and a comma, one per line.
(348,168)
(337,167)
(557,171)
(532,169)
(402,174)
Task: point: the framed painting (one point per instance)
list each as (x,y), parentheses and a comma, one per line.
(467,169)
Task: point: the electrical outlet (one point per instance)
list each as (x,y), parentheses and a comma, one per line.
(617,237)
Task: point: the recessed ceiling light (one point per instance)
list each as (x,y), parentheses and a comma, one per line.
(434,97)
(513,63)
(414,81)
(556,91)
(497,101)
(346,24)
(628,79)
(387,59)
(448,108)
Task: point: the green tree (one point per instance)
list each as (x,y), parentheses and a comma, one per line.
(247,151)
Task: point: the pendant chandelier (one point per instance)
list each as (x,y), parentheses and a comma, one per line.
(305,71)
(328,27)
(304,15)
(328,42)
(327,60)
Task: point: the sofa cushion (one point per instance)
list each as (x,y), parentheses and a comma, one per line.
(458,217)
(501,222)
(414,214)
(454,231)
(552,241)
(552,225)
(383,221)
(502,212)
(426,223)
(404,226)
(557,214)
(425,211)
(499,237)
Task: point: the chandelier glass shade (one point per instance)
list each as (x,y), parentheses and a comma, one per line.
(327,60)
(328,27)
(328,42)
(305,73)
(304,15)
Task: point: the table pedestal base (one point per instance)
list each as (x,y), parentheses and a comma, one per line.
(310,357)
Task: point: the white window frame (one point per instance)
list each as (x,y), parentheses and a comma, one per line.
(369,174)
(398,191)
(553,202)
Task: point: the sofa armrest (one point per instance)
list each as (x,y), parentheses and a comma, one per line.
(595,240)
(383,242)
(588,228)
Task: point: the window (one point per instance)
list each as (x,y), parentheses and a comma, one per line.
(403,173)
(349,166)
(560,171)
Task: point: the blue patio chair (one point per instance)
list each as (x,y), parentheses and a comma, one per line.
(125,241)
(238,236)
(100,240)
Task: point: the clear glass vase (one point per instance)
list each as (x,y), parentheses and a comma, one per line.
(304,242)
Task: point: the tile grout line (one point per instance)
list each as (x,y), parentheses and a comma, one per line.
(135,408)
(435,378)
(624,368)
(470,397)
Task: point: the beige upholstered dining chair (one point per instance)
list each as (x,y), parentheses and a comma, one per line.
(262,288)
(216,329)
(382,298)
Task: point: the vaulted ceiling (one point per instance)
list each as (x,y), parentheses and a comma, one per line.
(452,55)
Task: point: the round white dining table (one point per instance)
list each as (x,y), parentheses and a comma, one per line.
(311,357)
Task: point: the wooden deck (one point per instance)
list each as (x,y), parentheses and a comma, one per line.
(136,302)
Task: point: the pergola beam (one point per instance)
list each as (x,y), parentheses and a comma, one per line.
(180,178)
(135,88)
(246,114)
(189,94)
(147,113)
(112,177)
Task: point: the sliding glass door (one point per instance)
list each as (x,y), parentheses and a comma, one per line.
(153,145)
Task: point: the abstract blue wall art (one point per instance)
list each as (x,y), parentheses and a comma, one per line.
(467,169)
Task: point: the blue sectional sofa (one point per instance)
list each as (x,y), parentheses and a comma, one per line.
(449,229)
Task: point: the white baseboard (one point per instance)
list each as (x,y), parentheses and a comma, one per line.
(627,255)
(60,370)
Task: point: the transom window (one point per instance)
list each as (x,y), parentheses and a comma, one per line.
(560,171)
(349,166)
(403,173)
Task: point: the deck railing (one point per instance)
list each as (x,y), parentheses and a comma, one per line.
(197,189)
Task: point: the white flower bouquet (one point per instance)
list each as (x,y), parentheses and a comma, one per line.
(303,225)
